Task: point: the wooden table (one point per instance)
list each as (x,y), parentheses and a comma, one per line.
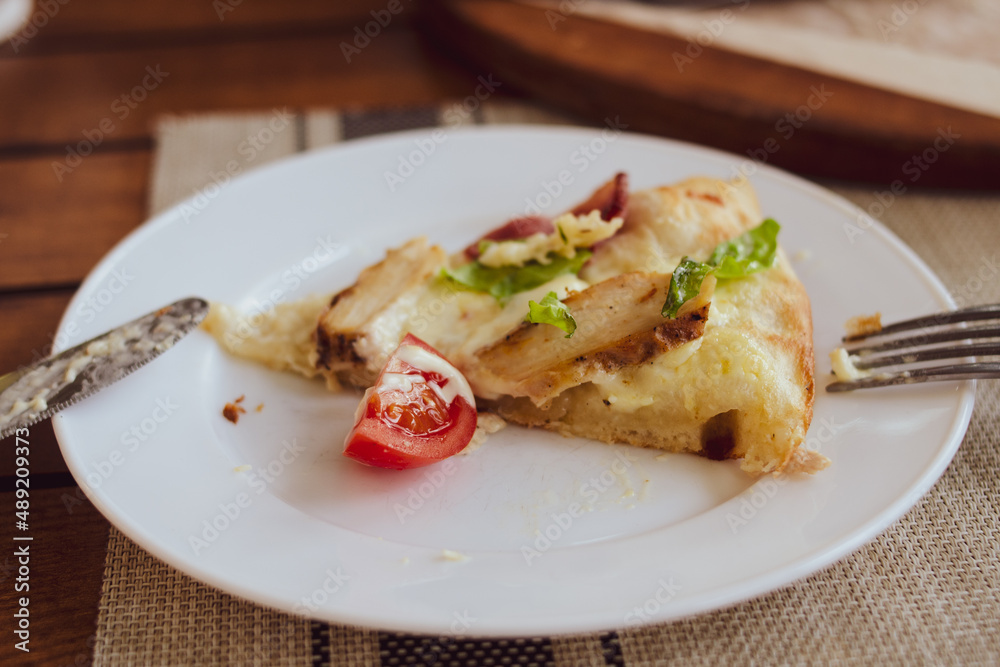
(75,156)
(61,91)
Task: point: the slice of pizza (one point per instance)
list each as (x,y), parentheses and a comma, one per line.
(665,318)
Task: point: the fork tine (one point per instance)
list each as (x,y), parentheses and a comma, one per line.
(975,313)
(982,331)
(930,354)
(940,373)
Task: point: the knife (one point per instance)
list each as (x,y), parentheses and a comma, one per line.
(39,390)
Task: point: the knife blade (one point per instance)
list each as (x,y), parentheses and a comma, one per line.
(37,391)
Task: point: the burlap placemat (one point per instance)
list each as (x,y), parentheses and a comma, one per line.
(926,591)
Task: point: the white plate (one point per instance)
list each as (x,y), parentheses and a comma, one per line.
(560,535)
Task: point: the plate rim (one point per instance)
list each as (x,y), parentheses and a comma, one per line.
(729,595)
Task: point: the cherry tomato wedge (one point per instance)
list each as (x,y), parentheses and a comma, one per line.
(420,411)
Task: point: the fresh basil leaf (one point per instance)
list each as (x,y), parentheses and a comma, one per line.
(685,285)
(748,253)
(504,281)
(550,310)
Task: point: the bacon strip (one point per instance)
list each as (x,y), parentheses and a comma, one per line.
(518,228)
(611,199)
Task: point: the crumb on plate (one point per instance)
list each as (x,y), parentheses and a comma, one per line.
(232,411)
(806,461)
(487,424)
(864,324)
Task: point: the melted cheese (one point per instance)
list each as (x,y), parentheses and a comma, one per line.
(571,232)
(459,322)
(843,366)
(420,358)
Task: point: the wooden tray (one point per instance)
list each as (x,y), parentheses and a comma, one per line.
(804,121)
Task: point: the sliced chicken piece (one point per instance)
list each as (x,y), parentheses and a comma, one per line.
(349,334)
(619,324)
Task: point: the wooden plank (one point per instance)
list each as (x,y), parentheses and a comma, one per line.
(58,24)
(57,226)
(66,569)
(802,120)
(30,325)
(76,102)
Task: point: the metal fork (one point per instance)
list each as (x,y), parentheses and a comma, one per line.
(885,349)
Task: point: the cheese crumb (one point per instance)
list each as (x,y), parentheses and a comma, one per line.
(804,461)
(487,424)
(455,556)
(864,324)
(246,467)
(843,365)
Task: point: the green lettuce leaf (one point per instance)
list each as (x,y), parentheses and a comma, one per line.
(748,253)
(685,285)
(752,251)
(551,311)
(504,281)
